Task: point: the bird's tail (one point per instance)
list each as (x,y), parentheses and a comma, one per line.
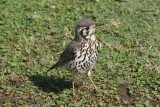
(58,64)
(54,66)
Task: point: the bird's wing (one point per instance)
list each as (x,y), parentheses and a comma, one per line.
(67,55)
(69,52)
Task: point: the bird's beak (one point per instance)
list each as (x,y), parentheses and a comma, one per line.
(98,24)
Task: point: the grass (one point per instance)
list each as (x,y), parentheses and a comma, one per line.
(34,33)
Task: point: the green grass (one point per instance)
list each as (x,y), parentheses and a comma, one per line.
(34,33)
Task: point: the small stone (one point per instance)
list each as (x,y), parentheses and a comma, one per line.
(2,23)
(53,6)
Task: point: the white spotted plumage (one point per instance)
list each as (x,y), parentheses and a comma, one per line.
(81,53)
(85,58)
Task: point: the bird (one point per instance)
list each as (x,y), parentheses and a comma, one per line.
(82,52)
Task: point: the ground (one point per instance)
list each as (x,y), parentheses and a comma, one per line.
(35,33)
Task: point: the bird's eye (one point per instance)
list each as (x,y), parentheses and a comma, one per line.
(87,28)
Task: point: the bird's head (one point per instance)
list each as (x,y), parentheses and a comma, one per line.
(86,28)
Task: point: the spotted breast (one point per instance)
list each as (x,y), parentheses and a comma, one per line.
(85,58)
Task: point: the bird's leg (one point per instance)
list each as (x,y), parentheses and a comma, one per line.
(73,88)
(89,75)
(73,84)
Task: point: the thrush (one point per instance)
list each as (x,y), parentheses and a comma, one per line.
(81,54)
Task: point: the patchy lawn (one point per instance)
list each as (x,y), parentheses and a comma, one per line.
(34,33)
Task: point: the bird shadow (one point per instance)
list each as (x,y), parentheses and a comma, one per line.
(51,83)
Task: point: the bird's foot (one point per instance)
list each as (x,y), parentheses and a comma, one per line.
(74,95)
